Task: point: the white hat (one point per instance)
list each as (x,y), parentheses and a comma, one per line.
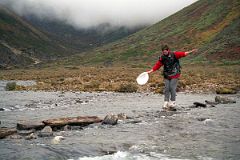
(142,78)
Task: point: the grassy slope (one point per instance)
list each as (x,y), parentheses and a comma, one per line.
(209,25)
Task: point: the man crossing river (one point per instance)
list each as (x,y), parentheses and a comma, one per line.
(171,72)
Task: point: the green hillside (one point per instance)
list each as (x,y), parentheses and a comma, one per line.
(209,25)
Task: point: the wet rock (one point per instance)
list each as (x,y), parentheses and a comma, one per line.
(198,104)
(110,119)
(134,121)
(81,121)
(57,139)
(211,102)
(122,116)
(224,100)
(7,132)
(15,136)
(26,132)
(46,132)
(208,121)
(201,119)
(79,101)
(31,136)
(30,125)
(67,128)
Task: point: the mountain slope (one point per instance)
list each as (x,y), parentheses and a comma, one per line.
(22,44)
(28,40)
(209,25)
(80,39)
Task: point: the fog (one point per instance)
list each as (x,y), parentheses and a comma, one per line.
(91,13)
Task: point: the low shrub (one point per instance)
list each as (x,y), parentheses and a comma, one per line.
(11,86)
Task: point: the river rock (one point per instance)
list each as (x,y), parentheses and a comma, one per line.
(7,132)
(46,132)
(211,102)
(110,119)
(15,136)
(198,104)
(57,139)
(67,128)
(25,132)
(31,136)
(122,116)
(224,100)
(30,125)
(81,121)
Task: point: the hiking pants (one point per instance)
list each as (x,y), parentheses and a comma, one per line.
(170,88)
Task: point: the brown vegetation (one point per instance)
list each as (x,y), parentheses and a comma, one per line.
(193,78)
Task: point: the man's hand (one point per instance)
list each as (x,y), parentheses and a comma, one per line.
(150,71)
(192,51)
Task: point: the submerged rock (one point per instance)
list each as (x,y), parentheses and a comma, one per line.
(46,132)
(31,136)
(110,119)
(224,100)
(4,132)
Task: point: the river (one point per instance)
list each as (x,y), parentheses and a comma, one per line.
(154,136)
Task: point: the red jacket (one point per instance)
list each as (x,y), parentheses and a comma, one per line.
(158,64)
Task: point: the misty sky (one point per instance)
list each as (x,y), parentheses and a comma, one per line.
(90,13)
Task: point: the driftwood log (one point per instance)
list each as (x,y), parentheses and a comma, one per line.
(81,121)
(4,132)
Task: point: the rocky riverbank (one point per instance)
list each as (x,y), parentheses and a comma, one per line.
(144,130)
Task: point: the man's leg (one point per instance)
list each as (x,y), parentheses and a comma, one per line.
(167,90)
(173,87)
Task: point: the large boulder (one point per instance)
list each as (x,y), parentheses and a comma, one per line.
(46,132)
(110,119)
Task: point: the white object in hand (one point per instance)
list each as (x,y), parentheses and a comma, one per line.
(142,78)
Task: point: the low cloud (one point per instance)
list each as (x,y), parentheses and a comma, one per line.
(91,13)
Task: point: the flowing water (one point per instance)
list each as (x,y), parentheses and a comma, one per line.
(150,135)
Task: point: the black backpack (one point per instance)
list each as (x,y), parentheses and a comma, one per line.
(171,65)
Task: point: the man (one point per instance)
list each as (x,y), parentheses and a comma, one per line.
(171,73)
